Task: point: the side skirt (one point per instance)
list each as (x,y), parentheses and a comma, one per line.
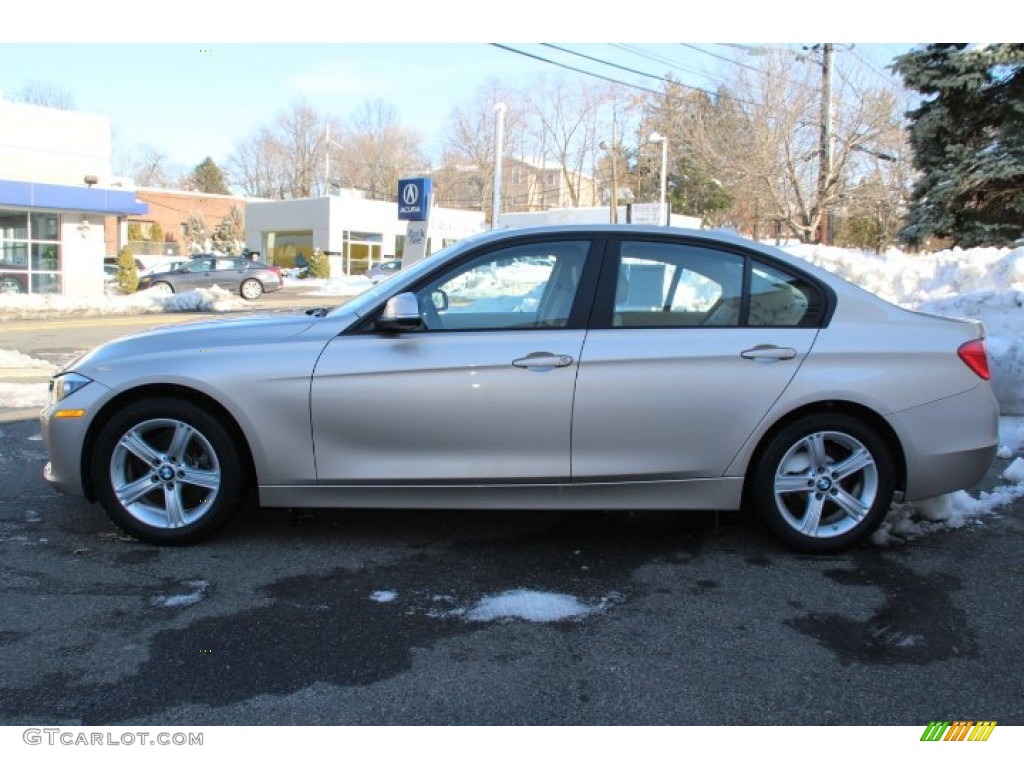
(702,494)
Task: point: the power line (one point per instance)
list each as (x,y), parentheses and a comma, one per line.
(575,69)
(605,62)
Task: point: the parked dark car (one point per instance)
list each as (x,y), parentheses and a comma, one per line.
(248,278)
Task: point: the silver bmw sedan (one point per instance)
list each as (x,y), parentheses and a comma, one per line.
(598,367)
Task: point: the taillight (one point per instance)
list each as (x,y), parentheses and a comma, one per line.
(974,355)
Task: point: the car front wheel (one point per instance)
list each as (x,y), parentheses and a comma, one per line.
(162,287)
(824,483)
(166,471)
(251,289)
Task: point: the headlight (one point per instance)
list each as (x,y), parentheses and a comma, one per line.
(64,384)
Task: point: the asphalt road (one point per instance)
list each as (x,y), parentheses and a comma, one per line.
(355,617)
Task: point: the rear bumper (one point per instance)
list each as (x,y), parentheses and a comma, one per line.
(949,444)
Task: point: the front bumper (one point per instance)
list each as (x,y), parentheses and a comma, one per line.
(65,437)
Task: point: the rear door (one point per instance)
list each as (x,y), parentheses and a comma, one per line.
(690,347)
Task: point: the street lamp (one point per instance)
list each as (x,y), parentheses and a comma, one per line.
(613,209)
(328,141)
(657,138)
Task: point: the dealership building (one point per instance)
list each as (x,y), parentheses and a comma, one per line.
(355,233)
(56,193)
(62,211)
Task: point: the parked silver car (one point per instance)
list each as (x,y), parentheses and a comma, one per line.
(384,270)
(250,279)
(606,367)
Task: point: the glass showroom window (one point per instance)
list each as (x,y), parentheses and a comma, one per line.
(29,252)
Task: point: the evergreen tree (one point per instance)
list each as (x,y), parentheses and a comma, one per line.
(229,236)
(968,141)
(127,276)
(209,178)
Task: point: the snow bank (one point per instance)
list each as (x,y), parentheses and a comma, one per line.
(46,306)
(984,284)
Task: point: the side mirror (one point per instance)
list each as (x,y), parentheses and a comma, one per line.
(401,313)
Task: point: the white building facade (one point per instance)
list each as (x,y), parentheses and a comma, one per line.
(56,190)
(355,233)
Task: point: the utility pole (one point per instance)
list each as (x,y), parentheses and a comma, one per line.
(499,154)
(825,153)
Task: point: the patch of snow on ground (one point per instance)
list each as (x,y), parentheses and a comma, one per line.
(529,605)
(199,588)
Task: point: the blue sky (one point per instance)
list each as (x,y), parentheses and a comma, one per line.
(191,97)
(193,100)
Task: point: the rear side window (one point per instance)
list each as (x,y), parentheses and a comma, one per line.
(688,285)
(778,298)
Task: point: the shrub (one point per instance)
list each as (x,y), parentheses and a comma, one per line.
(127,272)
(319,266)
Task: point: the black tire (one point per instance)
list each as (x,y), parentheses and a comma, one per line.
(251,289)
(823,483)
(154,494)
(163,287)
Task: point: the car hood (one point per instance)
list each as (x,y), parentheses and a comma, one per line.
(204,335)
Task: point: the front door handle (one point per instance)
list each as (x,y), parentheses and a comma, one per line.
(768,352)
(542,361)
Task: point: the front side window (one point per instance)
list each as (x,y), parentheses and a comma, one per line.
(201,265)
(525,286)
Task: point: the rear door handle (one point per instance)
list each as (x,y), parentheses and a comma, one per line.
(768,352)
(542,361)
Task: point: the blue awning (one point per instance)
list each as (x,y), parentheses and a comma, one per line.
(29,194)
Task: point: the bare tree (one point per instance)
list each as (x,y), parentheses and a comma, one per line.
(148,166)
(44,95)
(761,136)
(563,123)
(466,178)
(284,159)
(378,151)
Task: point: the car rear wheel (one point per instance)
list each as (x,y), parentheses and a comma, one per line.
(251,289)
(162,287)
(824,483)
(166,471)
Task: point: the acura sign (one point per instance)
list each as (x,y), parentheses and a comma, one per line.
(414,199)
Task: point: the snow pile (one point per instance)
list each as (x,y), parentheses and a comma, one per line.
(43,306)
(12,359)
(335,286)
(32,395)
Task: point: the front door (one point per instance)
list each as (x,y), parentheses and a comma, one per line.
(482,392)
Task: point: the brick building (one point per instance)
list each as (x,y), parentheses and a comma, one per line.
(169,211)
